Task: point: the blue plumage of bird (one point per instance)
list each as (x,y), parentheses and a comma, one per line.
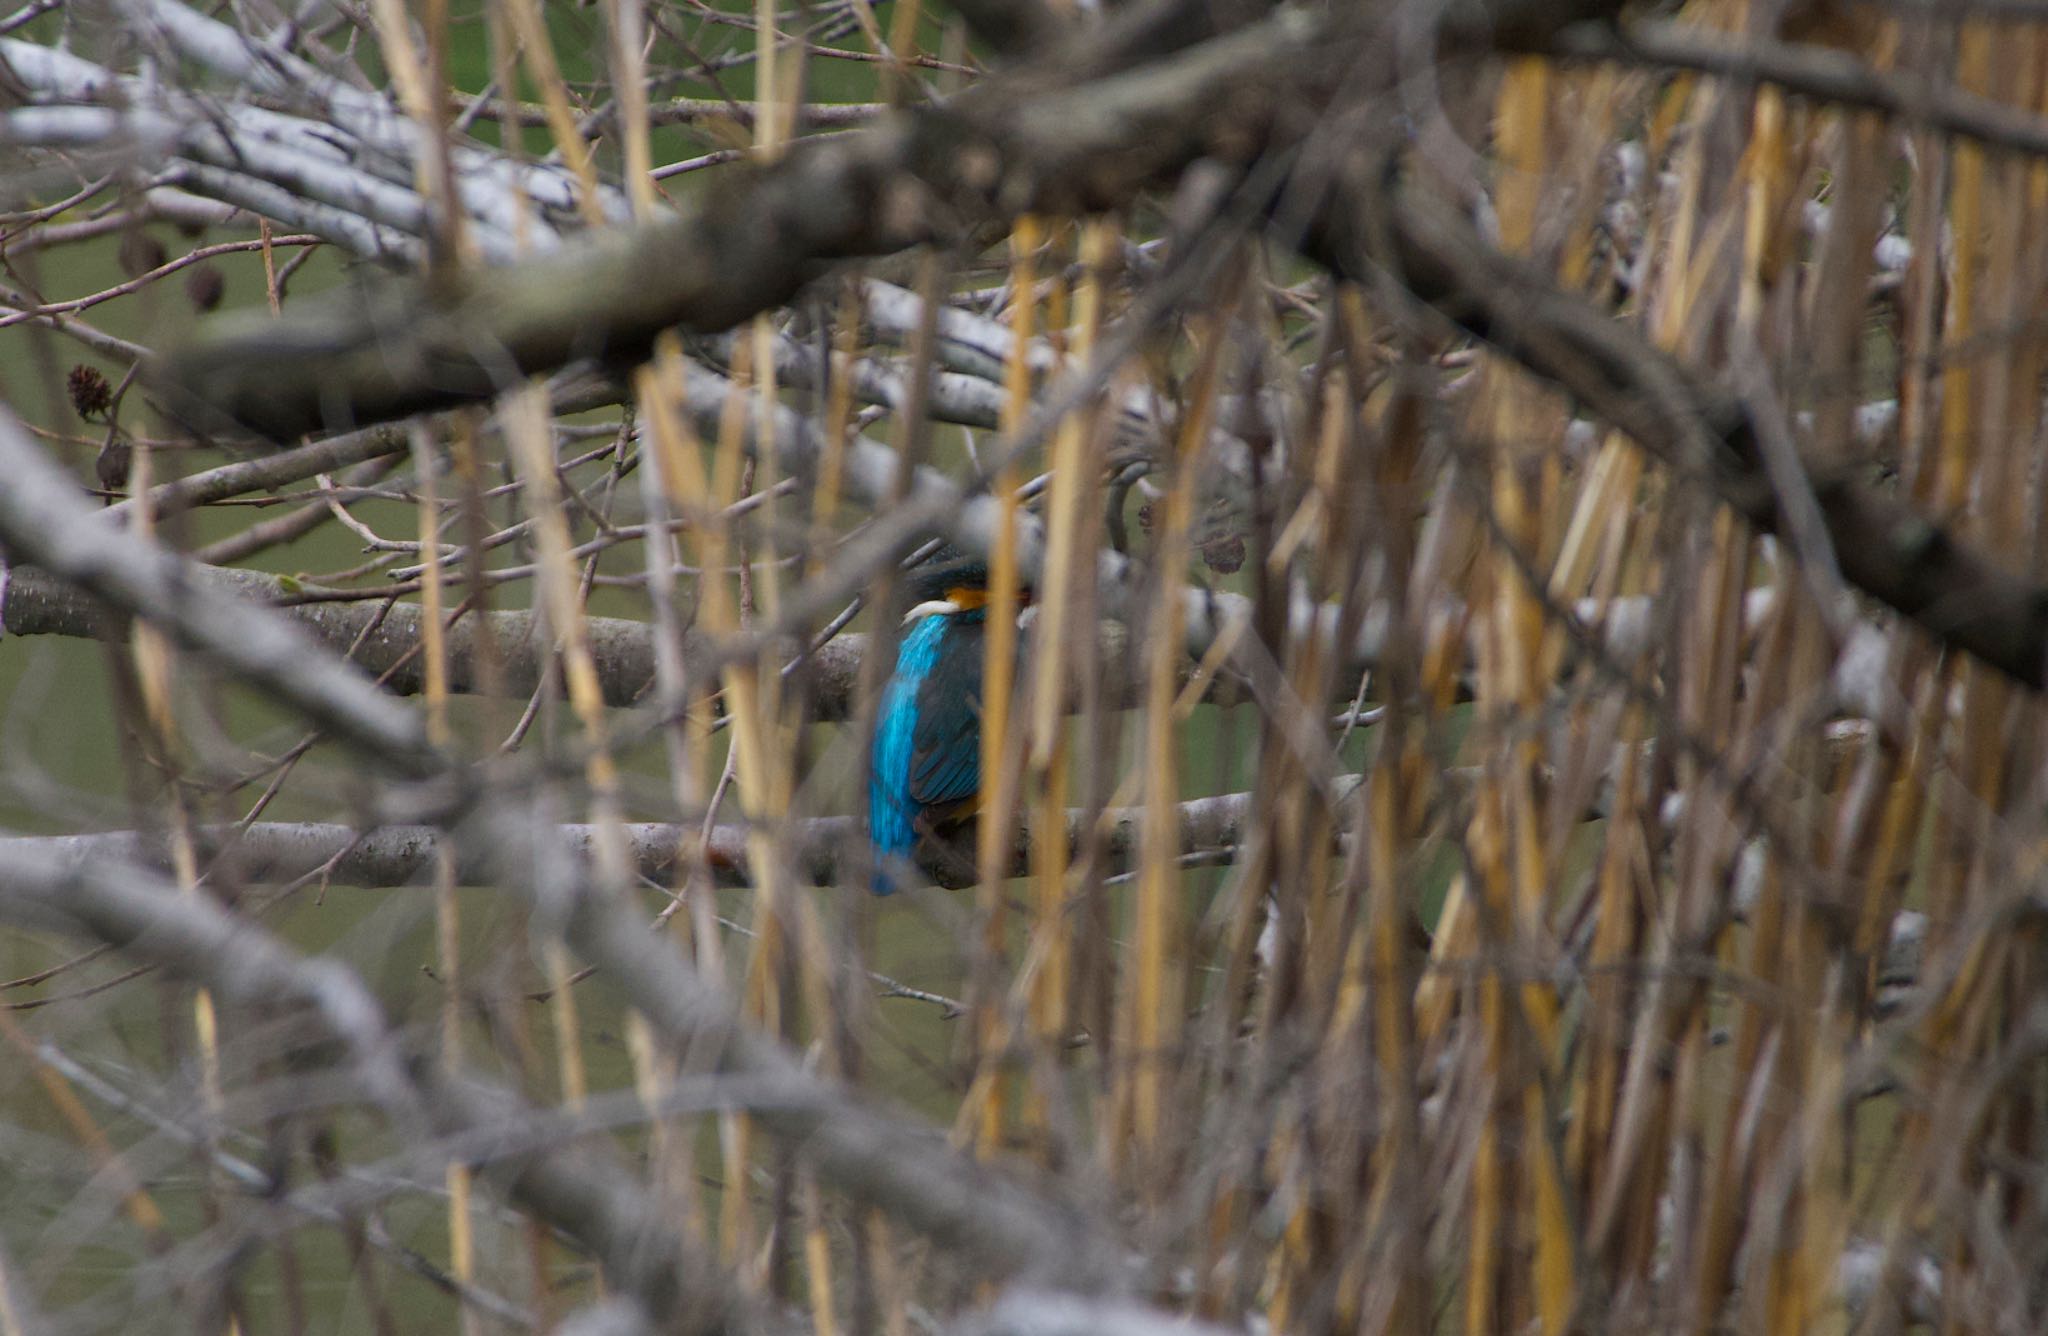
(925,769)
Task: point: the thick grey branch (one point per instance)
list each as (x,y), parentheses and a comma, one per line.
(383,638)
(283,851)
(997,151)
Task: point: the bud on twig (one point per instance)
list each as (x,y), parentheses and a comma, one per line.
(90,393)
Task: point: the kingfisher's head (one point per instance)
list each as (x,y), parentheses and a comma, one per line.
(951,581)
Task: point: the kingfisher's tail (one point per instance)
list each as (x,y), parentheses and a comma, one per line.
(892,833)
(888,850)
(892,813)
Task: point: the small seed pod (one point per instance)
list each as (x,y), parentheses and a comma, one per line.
(204,287)
(90,393)
(140,253)
(112,463)
(1224,555)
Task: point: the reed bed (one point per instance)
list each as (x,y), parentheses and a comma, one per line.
(1470,840)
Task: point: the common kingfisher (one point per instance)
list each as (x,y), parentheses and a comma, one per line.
(925,769)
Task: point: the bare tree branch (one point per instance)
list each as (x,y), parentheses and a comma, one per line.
(1815,72)
(568,394)
(877,1157)
(1379,228)
(828,850)
(994,152)
(1014,27)
(588,1196)
(1035,142)
(382,637)
(45,519)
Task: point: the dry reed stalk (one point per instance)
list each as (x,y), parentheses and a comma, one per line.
(686,741)
(1624,1160)
(1781,937)
(1924,429)
(1072,536)
(530,34)
(815,987)
(760,774)
(155,668)
(1396,799)
(1835,305)
(1517,1202)
(136,1201)
(1350,1285)
(999,779)
(423,96)
(2021,535)
(671,474)
(528,432)
(1694,923)
(1963,806)
(1153,1002)
(626,26)
(778,87)
(778,91)
(503,42)
(1617,936)
(1777,1157)
(896,76)
(760,761)
(17,1317)
(838,419)
(422,93)
(817,1257)
(1996,737)
(1302,945)
(774,114)
(1327,526)
(447,910)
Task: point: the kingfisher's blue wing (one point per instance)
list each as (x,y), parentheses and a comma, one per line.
(945,744)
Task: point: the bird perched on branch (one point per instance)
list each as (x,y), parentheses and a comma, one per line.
(925,770)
